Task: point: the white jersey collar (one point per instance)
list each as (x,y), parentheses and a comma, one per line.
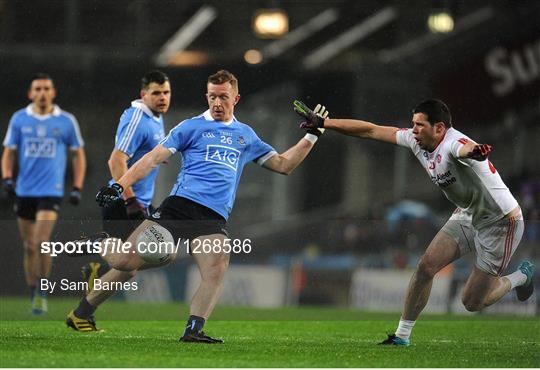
(56,112)
(139,104)
(208,116)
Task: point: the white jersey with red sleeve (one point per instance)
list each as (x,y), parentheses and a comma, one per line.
(473,186)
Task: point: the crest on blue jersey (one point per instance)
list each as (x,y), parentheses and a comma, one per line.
(41,131)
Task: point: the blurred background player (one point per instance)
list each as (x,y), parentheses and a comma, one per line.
(215,147)
(140,129)
(41,133)
(488,218)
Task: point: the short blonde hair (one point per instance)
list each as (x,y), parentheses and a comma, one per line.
(223,76)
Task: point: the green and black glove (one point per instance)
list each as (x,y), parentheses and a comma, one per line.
(314,123)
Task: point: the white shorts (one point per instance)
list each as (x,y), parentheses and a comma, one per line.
(495,243)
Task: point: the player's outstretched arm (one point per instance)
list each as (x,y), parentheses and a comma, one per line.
(363,129)
(472,150)
(286,162)
(351,127)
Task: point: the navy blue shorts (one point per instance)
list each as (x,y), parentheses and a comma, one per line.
(186,219)
(27,207)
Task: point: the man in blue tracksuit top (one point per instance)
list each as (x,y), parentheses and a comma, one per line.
(215,147)
(41,135)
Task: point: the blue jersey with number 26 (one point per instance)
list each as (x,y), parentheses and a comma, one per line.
(214,155)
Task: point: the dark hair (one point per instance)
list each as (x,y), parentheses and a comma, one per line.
(222,76)
(436,111)
(153,76)
(41,76)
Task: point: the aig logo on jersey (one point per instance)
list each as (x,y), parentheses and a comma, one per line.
(223,155)
(38,147)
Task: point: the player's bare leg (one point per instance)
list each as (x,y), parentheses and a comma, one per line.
(123,260)
(124,266)
(483,290)
(44,226)
(212,267)
(98,296)
(484,287)
(82,317)
(31,253)
(36,264)
(120,257)
(442,251)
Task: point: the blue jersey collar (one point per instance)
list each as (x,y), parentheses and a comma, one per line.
(56,112)
(139,104)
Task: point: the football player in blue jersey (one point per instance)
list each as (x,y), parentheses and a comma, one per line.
(215,147)
(140,129)
(41,134)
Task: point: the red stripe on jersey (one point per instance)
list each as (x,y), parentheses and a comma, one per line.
(508,245)
(463,141)
(492,167)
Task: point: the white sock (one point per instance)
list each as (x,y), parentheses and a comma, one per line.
(404,329)
(516,278)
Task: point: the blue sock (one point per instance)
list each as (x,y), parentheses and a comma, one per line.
(194,324)
(43,293)
(32,291)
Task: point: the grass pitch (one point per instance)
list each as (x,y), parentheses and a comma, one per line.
(146,335)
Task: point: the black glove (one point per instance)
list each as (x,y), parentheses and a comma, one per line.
(9,187)
(75,196)
(314,119)
(109,194)
(134,209)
